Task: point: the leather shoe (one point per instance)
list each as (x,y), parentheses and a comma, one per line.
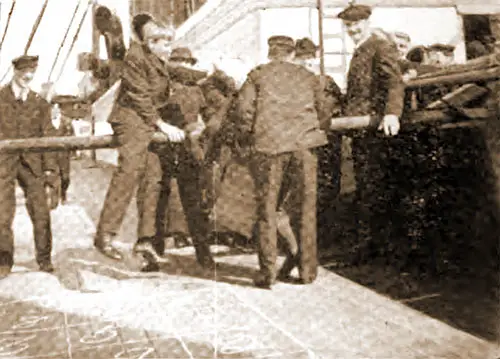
(151,267)
(264,281)
(204,257)
(5,271)
(47,267)
(147,250)
(286,269)
(103,243)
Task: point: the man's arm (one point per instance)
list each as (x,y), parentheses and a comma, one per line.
(391,79)
(49,158)
(246,111)
(328,100)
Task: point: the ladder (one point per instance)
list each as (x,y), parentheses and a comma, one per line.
(335,50)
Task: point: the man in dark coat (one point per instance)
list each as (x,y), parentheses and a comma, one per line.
(64,110)
(184,161)
(374,88)
(144,89)
(278,119)
(24,114)
(329,156)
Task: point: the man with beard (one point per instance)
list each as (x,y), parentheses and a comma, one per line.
(24,114)
(374,88)
(144,89)
(278,121)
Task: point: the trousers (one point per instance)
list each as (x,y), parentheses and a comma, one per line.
(297,172)
(178,162)
(138,167)
(12,169)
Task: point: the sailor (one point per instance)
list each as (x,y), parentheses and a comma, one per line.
(403,42)
(329,156)
(64,110)
(374,88)
(25,114)
(145,87)
(278,121)
(184,161)
(441,54)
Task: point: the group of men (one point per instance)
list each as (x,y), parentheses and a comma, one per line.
(280,117)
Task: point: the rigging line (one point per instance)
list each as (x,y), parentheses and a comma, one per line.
(64,40)
(74,40)
(35,27)
(8,23)
(5,74)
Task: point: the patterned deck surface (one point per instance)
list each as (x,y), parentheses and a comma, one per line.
(95,308)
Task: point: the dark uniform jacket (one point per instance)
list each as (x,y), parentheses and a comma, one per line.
(31,118)
(218,90)
(186,102)
(144,89)
(374,82)
(330,100)
(278,108)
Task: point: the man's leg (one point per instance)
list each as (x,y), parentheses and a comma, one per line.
(39,212)
(267,172)
(303,214)
(363,250)
(65,168)
(190,191)
(132,158)
(7,212)
(167,171)
(150,186)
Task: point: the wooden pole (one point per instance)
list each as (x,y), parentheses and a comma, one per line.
(321,43)
(96,49)
(44,144)
(491,74)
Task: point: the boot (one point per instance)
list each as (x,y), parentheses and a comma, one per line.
(47,267)
(286,268)
(264,280)
(103,243)
(204,257)
(5,271)
(145,247)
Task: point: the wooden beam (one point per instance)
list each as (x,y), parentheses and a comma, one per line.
(45,144)
(456,79)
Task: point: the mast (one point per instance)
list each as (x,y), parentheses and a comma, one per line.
(319,5)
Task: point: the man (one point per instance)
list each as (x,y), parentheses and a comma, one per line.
(144,89)
(64,110)
(184,161)
(403,42)
(24,114)
(442,55)
(374,88)
(278,120)
(329,156)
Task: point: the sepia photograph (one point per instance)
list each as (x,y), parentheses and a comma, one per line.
(247,179)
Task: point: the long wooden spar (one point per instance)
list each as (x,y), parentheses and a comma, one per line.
(45,144)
